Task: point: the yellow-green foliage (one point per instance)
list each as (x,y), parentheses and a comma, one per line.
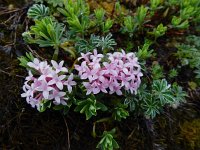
(190,133)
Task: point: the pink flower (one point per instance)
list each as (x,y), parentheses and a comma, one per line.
(43,66)
(70,83)
(110,68)
(90,74)
(48,85)
(57,80)
(34,102)
(95,87)
(30,76)
(88,87)
(57,95)
(125,81)
(45,73)
(28,90)
(85,56)
(96,56)
(118,71)
(82,68)
(59,67)
(35,64)
(45,89)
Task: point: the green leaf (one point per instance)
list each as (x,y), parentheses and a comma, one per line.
(88,107)
(46,32)
(141,14)
(154,4)
(179,94)
(178,23)
(58,107)
(150,106)
(56,3)
(197,72)
(107,141)
(189,52)
(104,42)
(101,106)
(44,104)
(129,25)
(38,11)
(187,12)
(130,101)
(25,59)
(77,13)
(161,90)
(120,112)
(159,31)
(99,14)
(157,71)
(108,24)
(173,73)
(144,52)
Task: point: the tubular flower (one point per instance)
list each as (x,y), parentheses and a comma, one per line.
(50,83)
(119,71)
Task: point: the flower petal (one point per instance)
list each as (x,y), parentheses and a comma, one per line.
(59,85)
(45,94)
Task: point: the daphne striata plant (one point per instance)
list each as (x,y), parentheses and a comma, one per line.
(106,81)
(111,73)
(48,85)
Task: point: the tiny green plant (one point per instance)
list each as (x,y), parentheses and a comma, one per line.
(108,142)
(129,25)
(99,14)
(158,31)
(25,59)
(77,14)
(154,5)
(140,15)
(157,71)
(105,25)
(173,73)
(46,32)
(133,24)
(120,112)
(177,22)
(54,3)
(38,11)
(189,52)
(89,107)
(151,100)
(104,43)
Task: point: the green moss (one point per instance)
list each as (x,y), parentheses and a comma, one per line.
(190,133)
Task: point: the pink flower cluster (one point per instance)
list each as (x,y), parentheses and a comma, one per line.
(111,73)
(48,84)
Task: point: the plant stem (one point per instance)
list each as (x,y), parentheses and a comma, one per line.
(55,55)
(99,121)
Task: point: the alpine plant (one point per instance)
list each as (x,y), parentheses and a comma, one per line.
(110,73)
(47,82)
